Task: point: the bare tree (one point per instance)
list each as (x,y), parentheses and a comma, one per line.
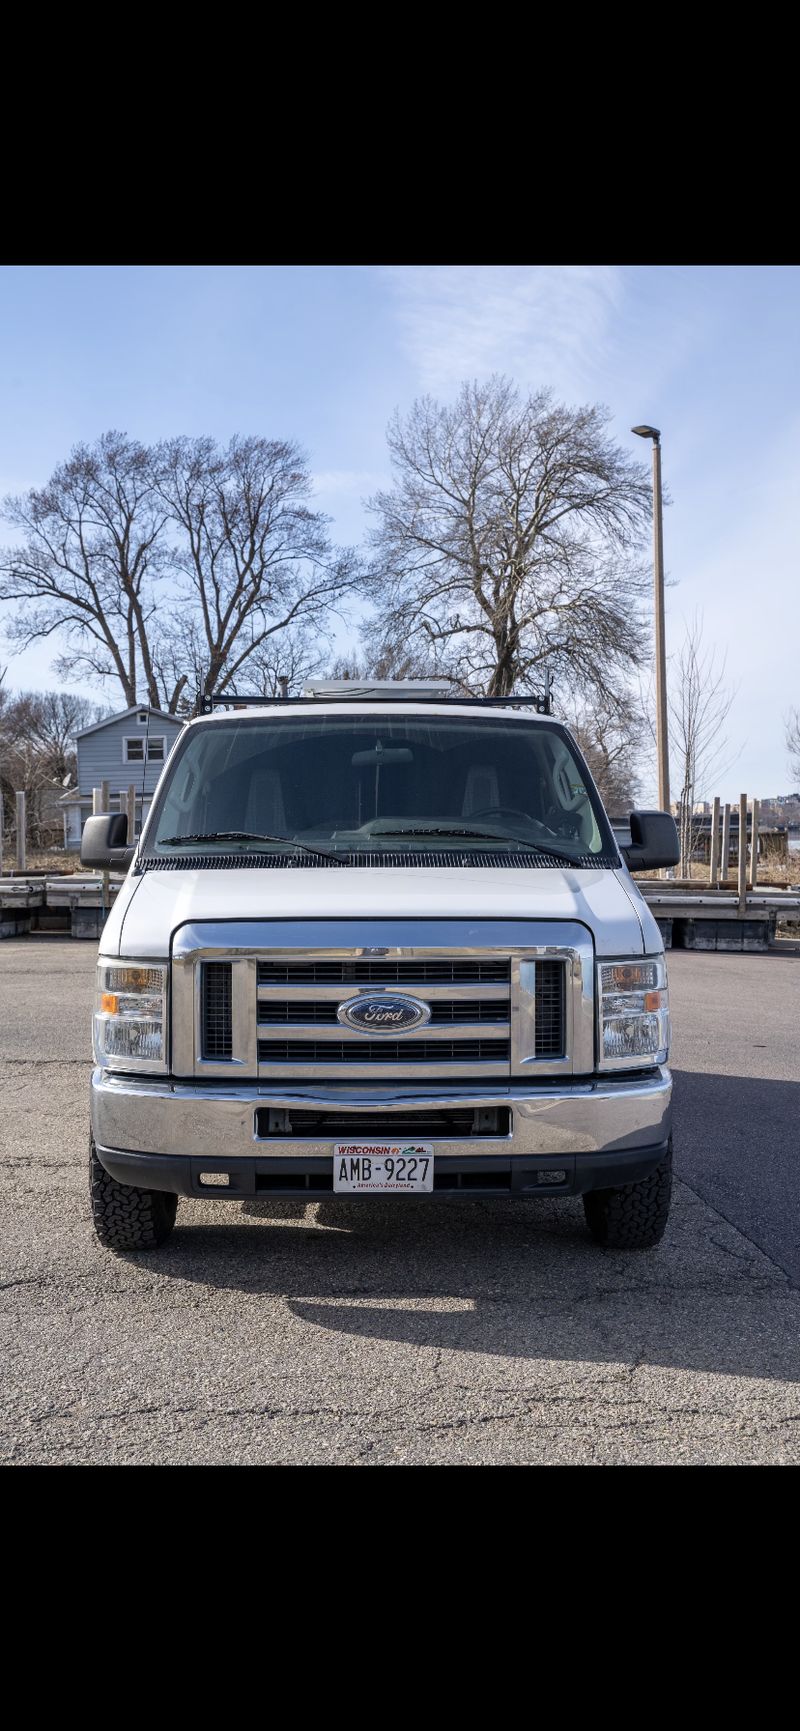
(509,542)
(386,657)
(699,702)
(169,571)
(38,732)
(610,735)
(293,655)
(254,560)
(793,742)
(52,721)
(88,563)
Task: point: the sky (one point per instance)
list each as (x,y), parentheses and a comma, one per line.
(325,355)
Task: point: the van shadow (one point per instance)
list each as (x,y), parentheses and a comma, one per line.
(520,1279)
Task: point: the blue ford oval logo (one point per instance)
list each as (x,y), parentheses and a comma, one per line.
(383,1014)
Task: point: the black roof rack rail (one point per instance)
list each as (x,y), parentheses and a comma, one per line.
(539,701)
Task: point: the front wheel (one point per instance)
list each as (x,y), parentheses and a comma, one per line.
(126,1218)
(633,1216)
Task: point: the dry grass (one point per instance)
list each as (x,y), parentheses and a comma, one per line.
(772,874)
(39,860)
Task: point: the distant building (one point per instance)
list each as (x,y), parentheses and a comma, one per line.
(773,839)
(782,808)
(125,752)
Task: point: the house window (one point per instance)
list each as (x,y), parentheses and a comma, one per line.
(142,718)
(133,749)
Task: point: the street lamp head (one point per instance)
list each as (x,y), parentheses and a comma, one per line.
(647,432)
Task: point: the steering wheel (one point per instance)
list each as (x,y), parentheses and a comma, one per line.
(502,811)
(512,811)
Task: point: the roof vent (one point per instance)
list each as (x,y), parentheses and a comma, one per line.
(357,688)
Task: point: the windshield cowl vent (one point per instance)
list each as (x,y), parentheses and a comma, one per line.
(409,859)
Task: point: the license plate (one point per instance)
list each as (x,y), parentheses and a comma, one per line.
(366,1167)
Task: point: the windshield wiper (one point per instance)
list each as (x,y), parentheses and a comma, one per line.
(250,835)
(487,835)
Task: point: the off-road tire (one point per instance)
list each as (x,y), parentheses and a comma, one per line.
(126,1218)
(632,1217)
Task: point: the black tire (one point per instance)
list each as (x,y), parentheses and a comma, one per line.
(126,1218)
(632,1217)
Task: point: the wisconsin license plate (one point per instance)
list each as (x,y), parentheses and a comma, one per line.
(380,1166)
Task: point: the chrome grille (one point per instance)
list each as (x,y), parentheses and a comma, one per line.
(323,1011)
(382,1051)
(450,971)
(468,1034)
(550,1009)
(217,1011)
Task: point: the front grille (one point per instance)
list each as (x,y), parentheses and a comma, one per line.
(550,1009)
(296,998)
(216,1009)
(382,1051)
(468,996)
(451,1123)
(450,971)
(323,1011)
(452,1174)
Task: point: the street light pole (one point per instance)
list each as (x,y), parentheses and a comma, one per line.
(662,733)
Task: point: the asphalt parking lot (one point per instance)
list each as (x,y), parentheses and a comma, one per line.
(417,1331)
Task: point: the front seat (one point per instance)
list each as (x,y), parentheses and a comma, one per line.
(265,809)
(481,789)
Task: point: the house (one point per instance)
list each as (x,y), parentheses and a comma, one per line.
(126,750)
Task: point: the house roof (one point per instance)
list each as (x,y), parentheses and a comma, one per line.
(159,714)
(73,796)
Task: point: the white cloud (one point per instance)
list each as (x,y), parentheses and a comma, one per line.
(544,324)
(334,484)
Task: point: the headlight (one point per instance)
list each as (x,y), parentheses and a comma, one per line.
(130,1016)
(634,1013)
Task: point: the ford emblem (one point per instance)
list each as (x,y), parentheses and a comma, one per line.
(384,1014)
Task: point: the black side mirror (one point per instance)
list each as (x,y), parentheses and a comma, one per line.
(654,841)
(104,842)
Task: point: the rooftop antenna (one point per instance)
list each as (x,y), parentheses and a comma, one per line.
(132,838)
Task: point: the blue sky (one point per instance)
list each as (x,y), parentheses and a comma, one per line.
(324,355)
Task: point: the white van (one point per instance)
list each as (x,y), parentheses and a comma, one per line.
(379,940)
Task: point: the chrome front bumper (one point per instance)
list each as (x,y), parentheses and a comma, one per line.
(211,1122)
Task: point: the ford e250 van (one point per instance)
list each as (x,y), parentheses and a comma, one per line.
(379,941)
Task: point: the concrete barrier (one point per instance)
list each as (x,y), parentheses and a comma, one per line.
(60,904)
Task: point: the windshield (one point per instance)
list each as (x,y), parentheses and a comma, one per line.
(344,783)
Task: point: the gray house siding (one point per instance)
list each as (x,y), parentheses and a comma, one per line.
(102,757)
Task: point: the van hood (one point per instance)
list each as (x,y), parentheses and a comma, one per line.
(150,908)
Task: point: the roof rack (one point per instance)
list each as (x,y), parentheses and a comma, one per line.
(538,701)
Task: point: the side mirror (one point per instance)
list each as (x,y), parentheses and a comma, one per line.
(654,841)
(104,842)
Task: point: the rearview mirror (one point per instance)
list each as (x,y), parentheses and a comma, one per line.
(103,843)
(654,841)
(395,754)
